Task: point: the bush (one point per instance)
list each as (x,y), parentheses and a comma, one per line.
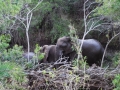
(116,59)
(116,82)
(4,42)
(36,59)
(13,54)
(12,76)
(38,55)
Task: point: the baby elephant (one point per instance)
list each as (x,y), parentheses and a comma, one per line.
(30,54)
(53,52)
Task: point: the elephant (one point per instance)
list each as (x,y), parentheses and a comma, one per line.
(91,48)
(30,54)
(53,52)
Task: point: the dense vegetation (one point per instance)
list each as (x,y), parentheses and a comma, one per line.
(35,22)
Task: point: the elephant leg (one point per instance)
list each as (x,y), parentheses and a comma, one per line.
(93,60)
(45,50)
(72,55)
(46,56)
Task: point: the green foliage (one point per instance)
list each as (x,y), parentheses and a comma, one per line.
(11,7)
(49,17)
(36,59)
(116,59)
(39,55)
(8,10)
(13,54)
(11,73)
(40,12)
(8,7)
(116,82)
(80,61)
(4,68)
(81,64)
(11,76)
(60,27)
(4,40)
(109,8)
(44,7)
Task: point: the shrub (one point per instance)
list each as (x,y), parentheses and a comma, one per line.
(116,59)
(4,42)
(12,76)
(38,55)
(36,59)
(13,54)
(116,82)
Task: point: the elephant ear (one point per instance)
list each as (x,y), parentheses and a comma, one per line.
(68,39)
(43,48)
(46,49)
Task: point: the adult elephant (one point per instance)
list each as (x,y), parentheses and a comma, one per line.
(91,48)
(54,52)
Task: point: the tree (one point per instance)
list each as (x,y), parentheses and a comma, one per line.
(9,9)
(109,8)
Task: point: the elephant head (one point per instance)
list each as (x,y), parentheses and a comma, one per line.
(53,52)
(64,43)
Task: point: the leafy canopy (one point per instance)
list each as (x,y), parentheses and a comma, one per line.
(110,8)
(8,10)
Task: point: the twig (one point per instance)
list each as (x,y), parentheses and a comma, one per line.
(107,46)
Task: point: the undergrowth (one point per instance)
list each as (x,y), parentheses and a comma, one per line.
(12,76)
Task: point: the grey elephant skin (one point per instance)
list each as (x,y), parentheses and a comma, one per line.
(53,52)
(91,48)
(30,55)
